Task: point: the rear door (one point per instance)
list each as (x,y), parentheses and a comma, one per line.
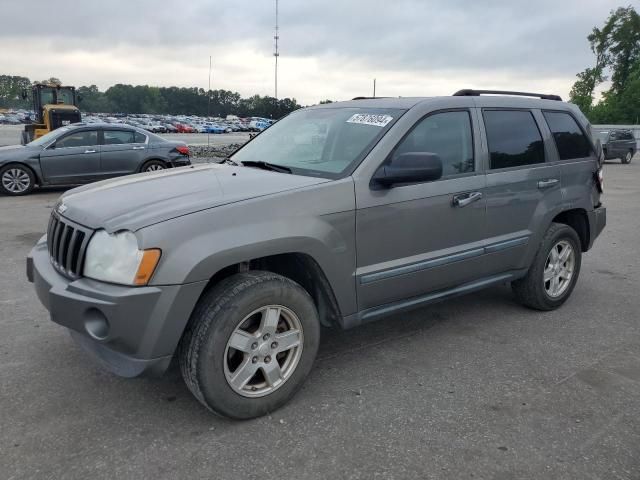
(122,152)
(523,185)
(576,158)
(73,159)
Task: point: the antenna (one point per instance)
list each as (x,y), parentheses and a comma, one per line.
(276,54)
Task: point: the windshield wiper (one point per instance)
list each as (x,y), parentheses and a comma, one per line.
(230,161)
(266,166)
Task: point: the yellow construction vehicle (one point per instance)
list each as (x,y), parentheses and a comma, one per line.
(54,107)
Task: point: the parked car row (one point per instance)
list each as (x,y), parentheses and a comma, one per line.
(185,124)
(159,123)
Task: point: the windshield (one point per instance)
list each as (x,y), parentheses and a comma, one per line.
(43,140)
(602,136)
(322,142)
(65,96)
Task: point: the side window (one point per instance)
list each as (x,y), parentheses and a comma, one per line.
(629,136)
(614,136)
(447,134)
(514,138)
(140,138)
(118,137)
(570,140)
(86,138)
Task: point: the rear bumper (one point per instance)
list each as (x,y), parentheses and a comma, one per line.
(130,331)
(597,222)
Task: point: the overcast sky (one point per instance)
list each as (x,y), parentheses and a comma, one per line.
(328,49)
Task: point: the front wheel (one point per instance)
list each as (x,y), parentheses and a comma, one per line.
(250,344)
(554,271)
(627,157)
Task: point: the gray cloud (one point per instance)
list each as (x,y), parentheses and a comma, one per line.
(510,38)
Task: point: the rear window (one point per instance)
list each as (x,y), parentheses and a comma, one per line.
(570,140)
(117,137)
(514,138)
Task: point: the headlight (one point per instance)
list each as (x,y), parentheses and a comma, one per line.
(116,258)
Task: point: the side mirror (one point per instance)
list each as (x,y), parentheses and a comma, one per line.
(410,167)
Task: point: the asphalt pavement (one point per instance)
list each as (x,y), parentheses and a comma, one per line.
(478,387)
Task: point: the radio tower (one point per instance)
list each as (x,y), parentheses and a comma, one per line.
(276,37)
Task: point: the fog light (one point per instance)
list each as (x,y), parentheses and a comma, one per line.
(96,324)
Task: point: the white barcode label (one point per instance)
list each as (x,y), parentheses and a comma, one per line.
(370,119)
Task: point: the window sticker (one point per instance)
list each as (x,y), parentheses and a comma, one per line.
(376,120)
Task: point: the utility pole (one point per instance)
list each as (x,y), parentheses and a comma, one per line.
(276,54)
(374,88)
(209,103)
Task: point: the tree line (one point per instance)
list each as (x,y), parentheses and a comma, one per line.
(123,98)
(616,50)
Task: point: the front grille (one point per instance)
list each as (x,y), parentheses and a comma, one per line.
(67,243)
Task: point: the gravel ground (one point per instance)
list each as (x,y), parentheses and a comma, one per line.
(10,135)
(478,387)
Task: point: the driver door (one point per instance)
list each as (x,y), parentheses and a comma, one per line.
(419,238)
(73,159)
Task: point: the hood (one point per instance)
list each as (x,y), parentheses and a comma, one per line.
(17,152)
(136,201)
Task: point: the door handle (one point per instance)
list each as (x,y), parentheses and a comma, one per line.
(89,151)
(464,199)
(138,148)
(542,184)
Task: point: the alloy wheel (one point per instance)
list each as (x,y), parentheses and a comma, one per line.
(154,167)
(559,268)
(263,351)
(16,180)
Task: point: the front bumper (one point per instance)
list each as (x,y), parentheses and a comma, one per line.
(130,331)
(597,221)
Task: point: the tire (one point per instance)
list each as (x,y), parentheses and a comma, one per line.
(153,166)
(532,290)
(209,363)
(16,179)
(627,157)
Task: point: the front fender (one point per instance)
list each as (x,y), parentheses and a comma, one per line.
(319,222)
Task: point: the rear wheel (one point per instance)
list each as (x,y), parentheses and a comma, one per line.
(153,166)
(16,179)
(250,344)
(554,271)
(627,157)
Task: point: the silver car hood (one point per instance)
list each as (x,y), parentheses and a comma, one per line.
(136,201)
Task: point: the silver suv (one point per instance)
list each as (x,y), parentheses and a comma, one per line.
(335,216)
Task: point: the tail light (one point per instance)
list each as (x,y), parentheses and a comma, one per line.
(183,149)
(600,180)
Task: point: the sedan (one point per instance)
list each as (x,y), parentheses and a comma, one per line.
(82,153)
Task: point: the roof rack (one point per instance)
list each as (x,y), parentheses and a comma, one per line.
(469,92)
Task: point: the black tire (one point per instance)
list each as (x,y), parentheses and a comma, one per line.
(23,172)
(627,157)
(530,290)
(153,165)
(218,313)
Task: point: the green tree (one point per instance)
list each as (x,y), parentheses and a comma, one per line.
(617,51)
(11,88)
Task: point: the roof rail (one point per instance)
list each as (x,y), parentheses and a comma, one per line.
(469,92)
(367,98)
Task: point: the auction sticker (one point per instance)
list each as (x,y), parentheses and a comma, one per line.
(370,119)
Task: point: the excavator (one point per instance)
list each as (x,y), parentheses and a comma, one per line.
(54,105)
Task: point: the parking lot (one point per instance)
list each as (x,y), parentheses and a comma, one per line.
(477,387)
